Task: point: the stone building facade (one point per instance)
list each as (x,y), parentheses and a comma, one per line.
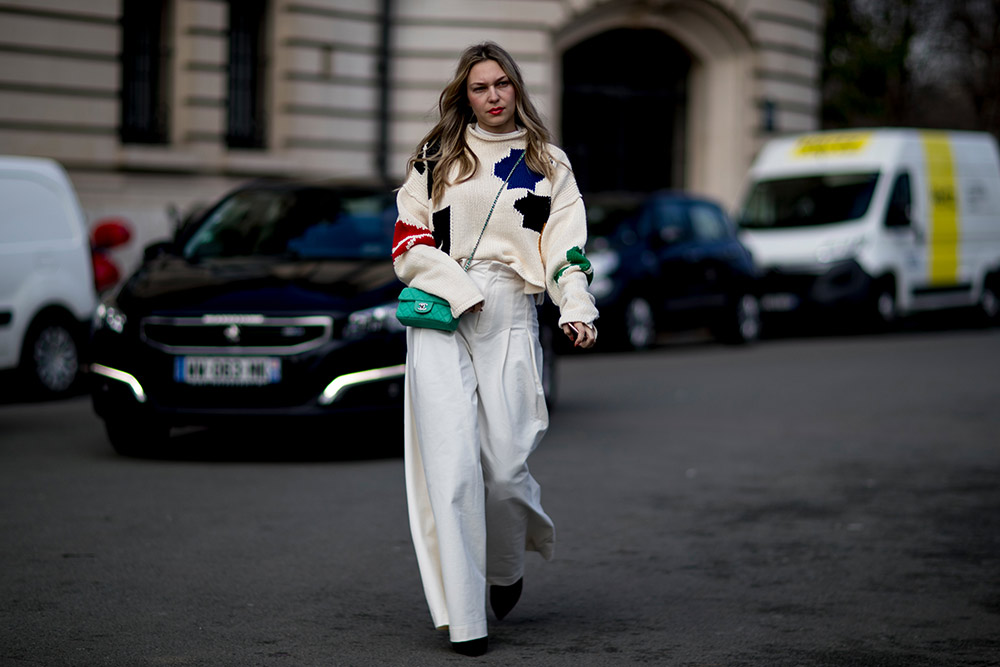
(157,105)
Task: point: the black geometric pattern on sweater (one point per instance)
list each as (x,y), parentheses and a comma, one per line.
(430,179)
(535,210)
(442,229)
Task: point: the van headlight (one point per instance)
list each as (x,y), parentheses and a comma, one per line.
(372,320)
(605,263)
(108,316)
(836,251)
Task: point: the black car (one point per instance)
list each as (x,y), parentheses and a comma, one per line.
(667,262)
(277,303)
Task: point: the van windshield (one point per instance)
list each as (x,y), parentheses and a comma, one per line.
(313,223)
(808,200)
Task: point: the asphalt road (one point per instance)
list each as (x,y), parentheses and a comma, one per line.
(806,501)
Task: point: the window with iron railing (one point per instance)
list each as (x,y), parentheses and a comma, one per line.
(246,117)
(145,61)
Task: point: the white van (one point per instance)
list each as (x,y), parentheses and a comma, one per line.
(886,221)
(47,291)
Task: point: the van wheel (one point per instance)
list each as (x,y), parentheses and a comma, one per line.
(50,359)
(989,304)
(640,325)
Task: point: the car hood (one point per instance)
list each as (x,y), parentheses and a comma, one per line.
(172,284)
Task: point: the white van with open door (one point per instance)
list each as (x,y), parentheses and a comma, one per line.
(884,221)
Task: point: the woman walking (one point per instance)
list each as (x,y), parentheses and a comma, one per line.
(490,218)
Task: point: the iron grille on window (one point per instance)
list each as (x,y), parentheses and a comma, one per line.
(145,59)
(246,121)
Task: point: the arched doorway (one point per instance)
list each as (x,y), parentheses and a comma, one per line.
(624,110)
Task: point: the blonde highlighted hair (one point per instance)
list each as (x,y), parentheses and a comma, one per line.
(445,146)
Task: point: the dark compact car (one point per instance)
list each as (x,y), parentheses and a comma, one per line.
(276,303)
(667,262)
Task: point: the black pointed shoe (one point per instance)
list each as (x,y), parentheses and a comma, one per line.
(473,647)
(503,598)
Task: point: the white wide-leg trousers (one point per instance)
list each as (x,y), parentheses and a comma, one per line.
(474,411)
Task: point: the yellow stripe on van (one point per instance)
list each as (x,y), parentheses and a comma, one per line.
(812,145)
(942,262)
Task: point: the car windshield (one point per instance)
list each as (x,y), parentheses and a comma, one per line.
(808,200)
(608,214)
(312,223)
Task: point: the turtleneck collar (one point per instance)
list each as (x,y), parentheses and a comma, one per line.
(475,129)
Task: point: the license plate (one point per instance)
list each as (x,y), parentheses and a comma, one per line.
(779,302)
(231,371)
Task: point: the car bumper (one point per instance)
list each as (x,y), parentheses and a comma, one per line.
(118,394)
(844,284)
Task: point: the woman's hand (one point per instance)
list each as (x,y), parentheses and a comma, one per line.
(581,334)
(477,308)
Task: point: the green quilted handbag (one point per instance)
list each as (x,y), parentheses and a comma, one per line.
(418,308)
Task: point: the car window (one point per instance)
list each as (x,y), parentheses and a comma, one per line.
(708,223)
(666,219)
(898,213)
(611,216)
(312,223)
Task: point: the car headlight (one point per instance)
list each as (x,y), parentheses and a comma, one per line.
(107,316)
(605,263)
(372,320)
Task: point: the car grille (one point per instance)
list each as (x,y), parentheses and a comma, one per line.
(236,334)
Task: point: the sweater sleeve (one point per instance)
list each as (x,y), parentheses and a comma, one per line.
(567,269)
(415,257)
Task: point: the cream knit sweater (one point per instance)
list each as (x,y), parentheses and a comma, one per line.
(538,228)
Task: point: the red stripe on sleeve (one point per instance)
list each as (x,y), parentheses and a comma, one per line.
(406,236)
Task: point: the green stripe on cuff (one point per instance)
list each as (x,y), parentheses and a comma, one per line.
(575,257)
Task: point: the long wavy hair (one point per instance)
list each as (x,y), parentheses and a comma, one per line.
(445,145)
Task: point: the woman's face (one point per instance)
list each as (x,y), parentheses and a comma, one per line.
(492,97)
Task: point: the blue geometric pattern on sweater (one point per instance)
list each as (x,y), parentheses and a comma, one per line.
(522,176)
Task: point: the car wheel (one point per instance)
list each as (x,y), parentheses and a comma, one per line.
(640,326)
(745,324)
(130,437)
(51,358)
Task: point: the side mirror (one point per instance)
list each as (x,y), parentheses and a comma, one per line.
(897,216)
(671,234)
(155,250)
